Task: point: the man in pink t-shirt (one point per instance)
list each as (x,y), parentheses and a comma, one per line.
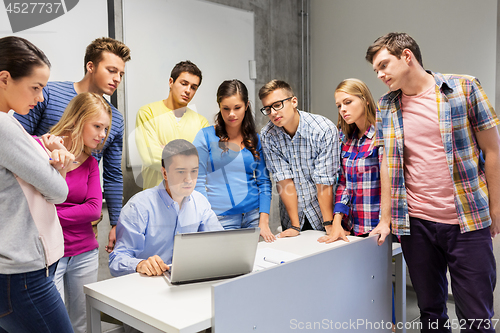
(442,154)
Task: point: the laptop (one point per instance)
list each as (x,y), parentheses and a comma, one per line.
(212,255)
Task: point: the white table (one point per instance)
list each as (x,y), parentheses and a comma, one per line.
(151,304)
(289,245)
(314,247)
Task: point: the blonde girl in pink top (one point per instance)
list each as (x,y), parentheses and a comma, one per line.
(83,128)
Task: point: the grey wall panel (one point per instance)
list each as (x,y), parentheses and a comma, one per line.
(347,288)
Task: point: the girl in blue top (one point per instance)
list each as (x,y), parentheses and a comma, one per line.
(233,174)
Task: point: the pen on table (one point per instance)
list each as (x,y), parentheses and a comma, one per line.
(277,262)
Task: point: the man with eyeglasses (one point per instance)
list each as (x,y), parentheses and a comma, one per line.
(302,153)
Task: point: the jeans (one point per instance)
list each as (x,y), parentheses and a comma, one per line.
(29,302)
(71,274)
(433,247)
(240,221)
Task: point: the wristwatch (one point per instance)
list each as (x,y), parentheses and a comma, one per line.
(327,223)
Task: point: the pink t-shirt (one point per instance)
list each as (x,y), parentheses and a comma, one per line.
(428,181)
(82,206)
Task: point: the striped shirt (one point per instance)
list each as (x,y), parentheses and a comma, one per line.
(358,191)
(311,157)
(46,114)
(463,109)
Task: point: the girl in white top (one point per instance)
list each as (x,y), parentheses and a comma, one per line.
(30,184)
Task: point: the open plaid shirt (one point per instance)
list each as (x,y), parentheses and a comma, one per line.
(311,157)
(358,191)
(463,109)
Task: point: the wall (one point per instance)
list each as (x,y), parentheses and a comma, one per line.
(63,40)
(455,36)
(278,54)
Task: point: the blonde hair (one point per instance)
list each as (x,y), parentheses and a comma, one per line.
(359,89)
(82,108)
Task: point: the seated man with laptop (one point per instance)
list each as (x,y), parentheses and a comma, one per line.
(150,220)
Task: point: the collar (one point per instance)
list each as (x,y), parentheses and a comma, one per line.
(299,127)
(164,194)
(167,199)
(171,111)
(369,133)
(441,82)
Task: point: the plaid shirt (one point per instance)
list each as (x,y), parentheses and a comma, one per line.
(311,157)
(358,191)
(463,108)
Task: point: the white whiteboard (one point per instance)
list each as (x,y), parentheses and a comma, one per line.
(65,38)
(217,38)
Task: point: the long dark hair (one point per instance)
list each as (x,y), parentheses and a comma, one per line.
(230,88)
(18,56)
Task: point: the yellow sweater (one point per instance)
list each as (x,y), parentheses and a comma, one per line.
(156,125)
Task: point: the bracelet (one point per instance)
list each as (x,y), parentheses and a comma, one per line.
(327,223)
(295,228)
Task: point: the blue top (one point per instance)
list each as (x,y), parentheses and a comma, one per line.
(233,181)
(46,114)
(149,222)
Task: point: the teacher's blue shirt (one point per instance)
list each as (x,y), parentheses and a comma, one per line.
(149,222)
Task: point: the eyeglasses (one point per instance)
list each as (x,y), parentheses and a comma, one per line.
(276,106)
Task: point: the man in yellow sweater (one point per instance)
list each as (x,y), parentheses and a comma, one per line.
(160,122)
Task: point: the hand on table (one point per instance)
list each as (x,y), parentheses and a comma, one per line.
(288,233)
(383,230)
(266,233)
(152,266)
(335,232)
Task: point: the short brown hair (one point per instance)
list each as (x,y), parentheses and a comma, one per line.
(275,85)
(105,44)
(185,66)
(395,43)
(174,148)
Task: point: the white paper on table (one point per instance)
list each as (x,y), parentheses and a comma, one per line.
(273,256)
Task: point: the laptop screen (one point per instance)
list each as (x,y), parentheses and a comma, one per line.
(210,255)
